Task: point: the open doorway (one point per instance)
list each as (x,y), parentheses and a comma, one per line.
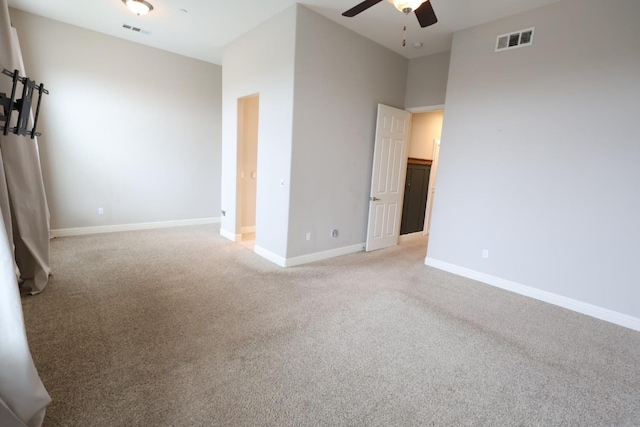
(422,164)
(403,140)
(248,115)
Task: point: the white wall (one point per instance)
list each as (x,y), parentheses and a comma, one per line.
(425,128)
(129,128)
(427,80)
(340,78)
(540,154)
(261,62)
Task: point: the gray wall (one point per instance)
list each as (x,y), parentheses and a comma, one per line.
(145,149)
(427,80)
(261,62)
(340,78)
(540,154)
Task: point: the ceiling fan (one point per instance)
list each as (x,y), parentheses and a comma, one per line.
(422,8)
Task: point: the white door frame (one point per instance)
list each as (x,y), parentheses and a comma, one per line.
(431,191)
(426,109)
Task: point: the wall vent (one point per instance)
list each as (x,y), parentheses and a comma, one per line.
(520,38)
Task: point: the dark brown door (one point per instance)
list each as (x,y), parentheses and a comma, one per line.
(415,198)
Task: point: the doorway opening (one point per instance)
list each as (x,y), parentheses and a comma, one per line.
(422,166)
(403,138)
(248,118)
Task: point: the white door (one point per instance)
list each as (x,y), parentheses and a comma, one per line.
(387,180)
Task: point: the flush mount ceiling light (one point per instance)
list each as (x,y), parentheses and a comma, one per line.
(139,7)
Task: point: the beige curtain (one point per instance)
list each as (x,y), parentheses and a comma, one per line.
(28,211)
(23,398)
(24,243)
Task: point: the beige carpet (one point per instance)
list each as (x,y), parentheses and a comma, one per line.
(180,327)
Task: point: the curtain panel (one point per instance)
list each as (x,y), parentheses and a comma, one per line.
(24,254)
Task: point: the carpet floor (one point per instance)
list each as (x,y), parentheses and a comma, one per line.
(180,327)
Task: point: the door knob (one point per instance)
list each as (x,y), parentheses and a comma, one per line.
(373,199)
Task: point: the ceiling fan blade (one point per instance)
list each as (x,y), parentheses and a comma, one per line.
(425,14)
(366,4)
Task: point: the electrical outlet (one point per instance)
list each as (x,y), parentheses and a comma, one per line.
(334,233)
(485,253)
(100,211)
(308,236)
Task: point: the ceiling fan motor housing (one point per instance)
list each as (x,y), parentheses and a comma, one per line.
(422,8)
(407,6)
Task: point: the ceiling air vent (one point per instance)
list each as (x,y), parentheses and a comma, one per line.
(513,40)
(136,29)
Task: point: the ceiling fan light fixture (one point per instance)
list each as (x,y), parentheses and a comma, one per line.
(139,7)
(407,6)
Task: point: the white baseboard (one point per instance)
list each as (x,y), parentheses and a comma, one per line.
(319,256)
(231,236)
(549,297)
(305,259)
(249,229)
(276,259)
(80,231)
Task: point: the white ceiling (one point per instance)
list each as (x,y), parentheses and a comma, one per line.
(209,25)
